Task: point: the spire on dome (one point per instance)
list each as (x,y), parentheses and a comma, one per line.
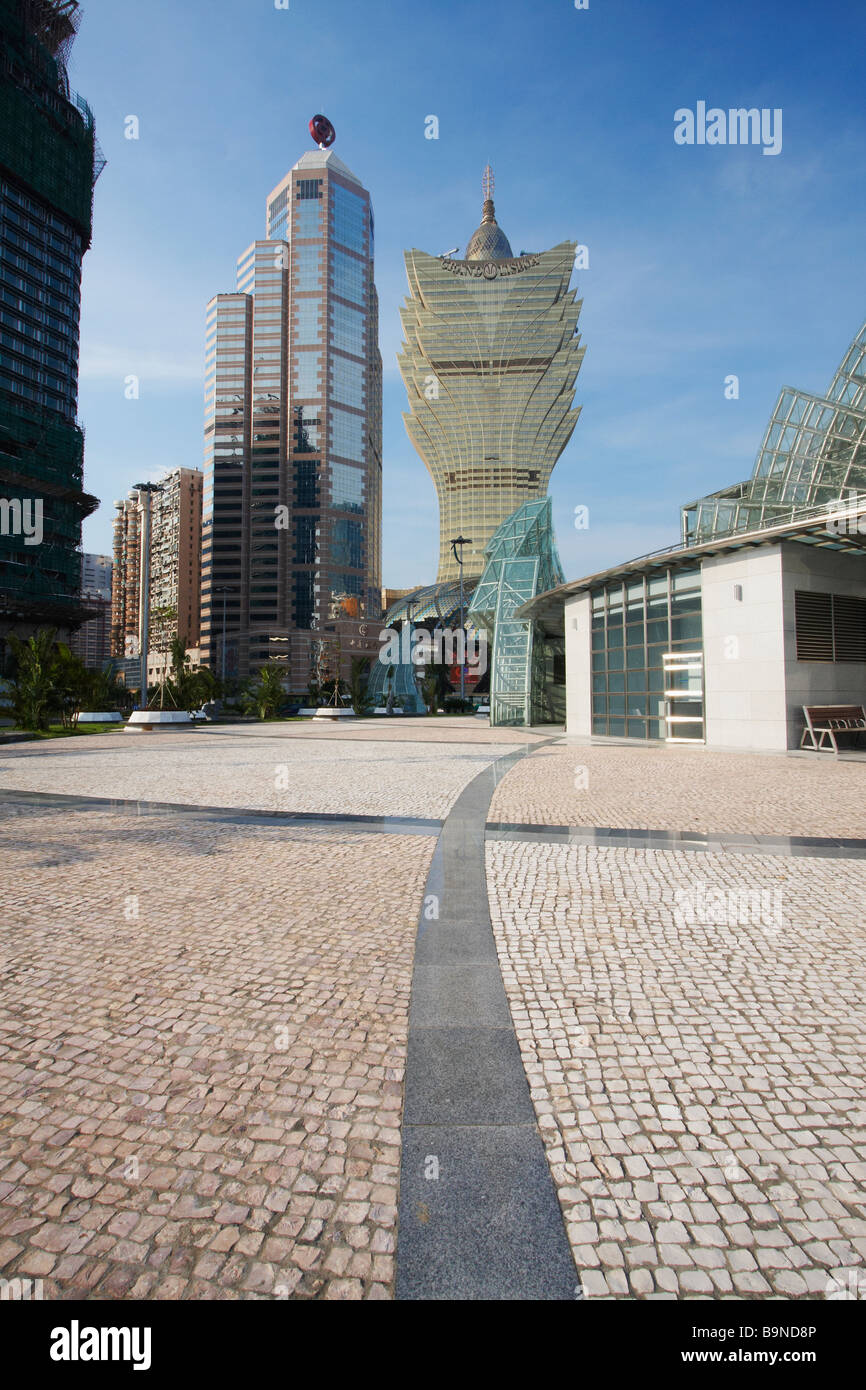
(489,242)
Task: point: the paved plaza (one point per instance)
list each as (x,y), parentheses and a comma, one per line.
(208,947)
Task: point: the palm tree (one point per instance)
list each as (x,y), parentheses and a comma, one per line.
(361,700)
(107,691)
(266,693)
(34,696)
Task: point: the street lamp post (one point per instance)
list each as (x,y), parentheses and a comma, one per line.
(461,541)
(145,503)
(224,589)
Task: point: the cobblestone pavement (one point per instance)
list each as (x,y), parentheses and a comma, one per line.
(344,772)
(201,1054)
(696,1058)
(680,788)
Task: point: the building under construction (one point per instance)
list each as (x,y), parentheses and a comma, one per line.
(49,162)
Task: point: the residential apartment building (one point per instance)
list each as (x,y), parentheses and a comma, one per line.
(175,566)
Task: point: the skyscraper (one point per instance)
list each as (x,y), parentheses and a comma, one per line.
(49,161)
(92,641)
(293,430)
(490,359)
(175,565)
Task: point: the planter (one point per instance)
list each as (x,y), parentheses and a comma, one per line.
(334,712)
(148,721)
(112,716)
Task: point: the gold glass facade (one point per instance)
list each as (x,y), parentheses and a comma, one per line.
(490,360)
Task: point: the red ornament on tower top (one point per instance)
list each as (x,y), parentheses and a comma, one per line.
(322,132)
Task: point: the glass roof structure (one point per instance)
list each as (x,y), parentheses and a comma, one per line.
(522,561)
(398,680)
(813,454)
(441,602)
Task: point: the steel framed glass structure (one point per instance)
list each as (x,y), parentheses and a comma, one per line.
(813,453)
(526,679)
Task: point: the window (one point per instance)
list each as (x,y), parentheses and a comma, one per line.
(348,218)
(305,430)
(307,268)
(307,374)
(829,627)
(347,487)
(347,329)
(634,626)
(347,381)
(307,322)
(308,220)
(305,540)
(304,606)
(306,483)
(348,277)
(347,434)
(346,544)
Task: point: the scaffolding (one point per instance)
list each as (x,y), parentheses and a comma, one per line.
(41,461)
(47,138)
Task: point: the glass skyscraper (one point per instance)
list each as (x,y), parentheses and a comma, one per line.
(48,163)
(292,510)
(490,359)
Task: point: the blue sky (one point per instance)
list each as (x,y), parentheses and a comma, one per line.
(704,261)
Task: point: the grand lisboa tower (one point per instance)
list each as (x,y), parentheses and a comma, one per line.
(490,359)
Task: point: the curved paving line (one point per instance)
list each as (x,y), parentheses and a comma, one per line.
(236,815)
(478,1213)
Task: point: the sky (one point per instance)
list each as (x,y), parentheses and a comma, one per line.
(705,261)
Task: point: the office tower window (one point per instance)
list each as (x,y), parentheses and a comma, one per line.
(305,540)
(305,434)
(346,544)
(347,434)
(347,329)
(307,265)
(308,322)
(306,490)
(308,219)
(303,600)
(347,382)
(307,374)
(348,277)
(348,218)
(347,488)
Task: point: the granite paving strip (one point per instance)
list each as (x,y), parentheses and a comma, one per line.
(202,1049)
(478,1215)
(388,825)
(808,846)
(693,1030)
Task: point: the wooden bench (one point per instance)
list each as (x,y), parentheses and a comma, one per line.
(825,722)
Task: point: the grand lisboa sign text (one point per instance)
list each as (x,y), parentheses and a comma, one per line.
(489,270)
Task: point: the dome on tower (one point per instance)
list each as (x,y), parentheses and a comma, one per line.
(489,242)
